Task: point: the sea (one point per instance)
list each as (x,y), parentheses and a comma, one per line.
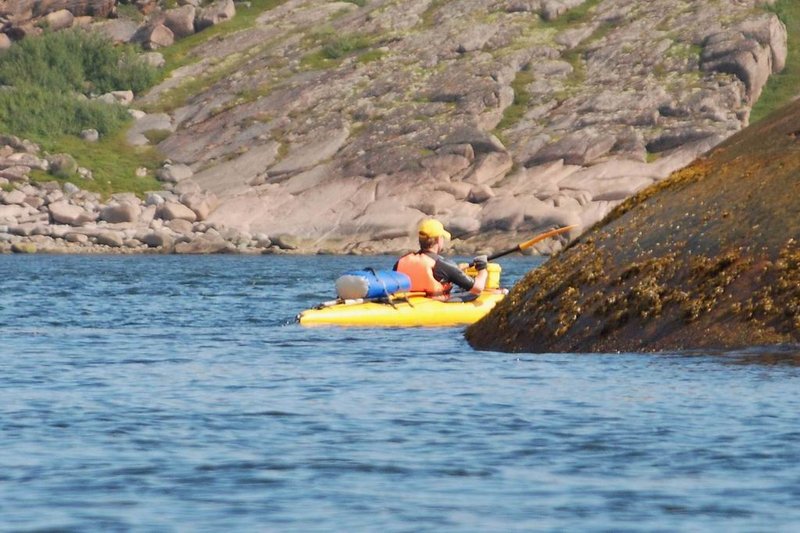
(174,393)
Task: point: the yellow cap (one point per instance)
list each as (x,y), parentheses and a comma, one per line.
(431,227)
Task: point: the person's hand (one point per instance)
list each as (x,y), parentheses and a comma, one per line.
(480,262)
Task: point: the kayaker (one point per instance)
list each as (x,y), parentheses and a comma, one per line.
(430,272)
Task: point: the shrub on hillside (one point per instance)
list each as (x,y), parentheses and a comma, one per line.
(35,112)
(75,61)
(46,76)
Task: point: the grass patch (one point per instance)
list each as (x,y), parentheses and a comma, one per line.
(370,56)
(179,95)
(130,11)
(428,18)
(180,53)
(156,136)
(334,49)
(574,16)
(784,87)
(522,98)
(113,163)
(41,115)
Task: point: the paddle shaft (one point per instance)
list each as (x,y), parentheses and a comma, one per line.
(527,244)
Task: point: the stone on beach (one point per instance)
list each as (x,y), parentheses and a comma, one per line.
(63,212)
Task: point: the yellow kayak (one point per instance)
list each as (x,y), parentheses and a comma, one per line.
(403,312)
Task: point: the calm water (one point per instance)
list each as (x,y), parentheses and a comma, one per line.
(175,393)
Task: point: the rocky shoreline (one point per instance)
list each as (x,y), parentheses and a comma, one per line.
(60,217)
(335,127)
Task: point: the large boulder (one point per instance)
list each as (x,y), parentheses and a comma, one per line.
(121,212)
(205,244)
(112,239)
(155,36)
(218,12)
(173,210)
(174,173)
(62,165)
(708,259)
(201,203)
(59,20)
(180,20)
(63,212)
(118,30)
(9,214)
(13,197)
(158,239)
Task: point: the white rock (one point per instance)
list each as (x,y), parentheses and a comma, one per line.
(174,173)
(154,59)
(219,11)
(152,198)
(13,197)
(109,238)
(120,213)
(90,135)
(173,210)
(66,213)
(59,20)
(10,213)
(158,239)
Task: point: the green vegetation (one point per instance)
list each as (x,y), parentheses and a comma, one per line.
(113,163)
(428,17)
(181,53)
(335,48)
(359,3)
(345,45)
(574,16)
(156,136)
(129,11)
(784,87)
(39,114)
(50,76)
(48,81)
(371,55)
(522,98)
(75,62)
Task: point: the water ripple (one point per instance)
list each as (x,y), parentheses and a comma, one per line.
(173,393)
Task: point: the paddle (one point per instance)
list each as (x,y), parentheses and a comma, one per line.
(527,244)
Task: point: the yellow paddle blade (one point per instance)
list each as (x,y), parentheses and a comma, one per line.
(542,236)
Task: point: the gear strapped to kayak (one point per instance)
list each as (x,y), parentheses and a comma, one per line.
(383,298)
(371,283)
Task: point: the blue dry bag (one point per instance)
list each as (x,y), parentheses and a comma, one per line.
(370,283)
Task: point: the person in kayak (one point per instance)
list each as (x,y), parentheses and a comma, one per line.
(430,272)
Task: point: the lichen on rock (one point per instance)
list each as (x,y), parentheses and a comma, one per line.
(706,259)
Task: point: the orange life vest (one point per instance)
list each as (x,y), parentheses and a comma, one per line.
(419,267)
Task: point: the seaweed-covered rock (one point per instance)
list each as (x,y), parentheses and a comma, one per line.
(709,258)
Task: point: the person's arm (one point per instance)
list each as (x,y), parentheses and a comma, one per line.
(480,281)
(445,271)
(481,264)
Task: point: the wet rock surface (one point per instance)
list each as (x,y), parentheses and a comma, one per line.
(709,258)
